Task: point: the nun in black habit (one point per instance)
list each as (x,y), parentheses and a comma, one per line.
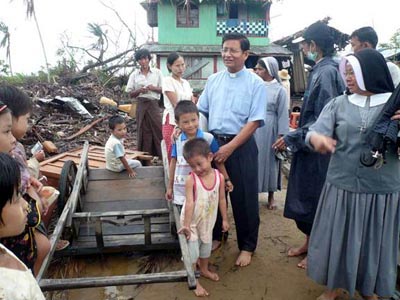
(355,237)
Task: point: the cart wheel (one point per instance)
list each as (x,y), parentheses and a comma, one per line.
(66,184)
(85,178)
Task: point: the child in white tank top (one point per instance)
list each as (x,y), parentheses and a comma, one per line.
(205,192)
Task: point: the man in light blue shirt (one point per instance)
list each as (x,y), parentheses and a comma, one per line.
(234,103)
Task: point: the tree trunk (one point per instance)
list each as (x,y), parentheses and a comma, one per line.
(43,48)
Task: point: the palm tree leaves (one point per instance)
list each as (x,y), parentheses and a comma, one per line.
(5,42)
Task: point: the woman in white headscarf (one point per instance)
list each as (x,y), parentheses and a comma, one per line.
(276,125)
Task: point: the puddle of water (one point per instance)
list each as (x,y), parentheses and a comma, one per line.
(109,265)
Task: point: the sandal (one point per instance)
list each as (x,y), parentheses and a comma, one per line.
(62,244)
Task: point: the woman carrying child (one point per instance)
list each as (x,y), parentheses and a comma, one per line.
(205,193)
(355,236)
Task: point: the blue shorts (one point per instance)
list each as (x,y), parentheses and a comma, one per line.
(199,249)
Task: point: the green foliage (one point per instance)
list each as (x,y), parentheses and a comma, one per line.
(394,42)
(4,68)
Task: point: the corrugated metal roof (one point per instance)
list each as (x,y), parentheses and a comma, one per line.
(271,49)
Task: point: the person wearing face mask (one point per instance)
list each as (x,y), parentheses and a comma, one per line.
(366,37)
(308,169)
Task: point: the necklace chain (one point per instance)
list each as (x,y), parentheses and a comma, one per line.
(364,114)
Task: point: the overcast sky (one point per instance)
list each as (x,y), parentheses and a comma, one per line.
(72,16)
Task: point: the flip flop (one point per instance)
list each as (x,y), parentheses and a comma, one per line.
(62,244)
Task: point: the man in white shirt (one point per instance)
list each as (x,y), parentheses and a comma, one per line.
(366,37)
(144,84)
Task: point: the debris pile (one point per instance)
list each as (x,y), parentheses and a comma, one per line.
(69,114)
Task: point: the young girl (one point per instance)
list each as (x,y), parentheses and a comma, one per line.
(355,237)
(205,192)
(33,245)
(16,280)
(175,89)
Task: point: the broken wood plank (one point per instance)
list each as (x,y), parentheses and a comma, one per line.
(85,128)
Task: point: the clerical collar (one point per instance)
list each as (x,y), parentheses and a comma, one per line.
(237,74)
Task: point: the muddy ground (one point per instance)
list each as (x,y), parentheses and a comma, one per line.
(271,276)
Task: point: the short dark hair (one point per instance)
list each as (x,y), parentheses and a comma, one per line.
(196,146)
(16,100)
(114,120)
(244,41)
(10,180)
(142,53)
(366,34)
(185,107)
(322,35)
(172,57)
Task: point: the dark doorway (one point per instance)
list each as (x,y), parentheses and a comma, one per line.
(233,11)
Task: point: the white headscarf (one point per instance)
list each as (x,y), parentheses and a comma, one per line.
(272,67)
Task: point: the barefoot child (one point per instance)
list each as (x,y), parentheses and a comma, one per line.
(205,192)
(16,280)
(32,253)
(116,160)
(187,118)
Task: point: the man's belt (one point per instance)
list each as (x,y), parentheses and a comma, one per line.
(224,138)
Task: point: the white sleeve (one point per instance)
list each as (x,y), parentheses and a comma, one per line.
(130,86)
(168,85)
(395,73)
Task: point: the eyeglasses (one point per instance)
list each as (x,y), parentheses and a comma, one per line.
(230,50)
(349,74)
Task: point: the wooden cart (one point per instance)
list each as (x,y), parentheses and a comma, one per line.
(109,212)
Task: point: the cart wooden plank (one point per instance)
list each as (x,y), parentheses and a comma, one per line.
(51,167)
(142,172)
(79,283)
(109,230)
(123,205)
(138,189)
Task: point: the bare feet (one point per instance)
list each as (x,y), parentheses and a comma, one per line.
(299,250)
(200,291)
(215,245)
(244,258)
(303,264)
(271,201)
(328,295)
(271,205)
(210,275)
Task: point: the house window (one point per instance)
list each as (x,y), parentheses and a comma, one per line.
(233,11)
(187,15)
